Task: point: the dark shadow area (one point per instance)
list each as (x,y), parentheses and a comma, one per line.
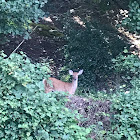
(92,39)
(90,48)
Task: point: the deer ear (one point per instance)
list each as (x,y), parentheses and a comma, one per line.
(44,82)
(70,72)
(80,72)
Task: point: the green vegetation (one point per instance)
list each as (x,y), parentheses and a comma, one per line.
(16,15)
(124,113)
(26,112)
(92,49)
(97,110)
(132,22)
(125,104)
(127,68)
(125,124)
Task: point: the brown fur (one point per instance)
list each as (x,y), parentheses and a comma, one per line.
(58,85)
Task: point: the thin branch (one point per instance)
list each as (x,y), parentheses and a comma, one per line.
(22,41)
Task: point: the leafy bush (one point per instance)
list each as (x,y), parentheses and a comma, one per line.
(16,15)
(125,105)
(126,121)
(132,22)
(26,112)
(127,67)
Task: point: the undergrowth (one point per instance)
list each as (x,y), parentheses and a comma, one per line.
(26,112)
(126,102)
(124,113)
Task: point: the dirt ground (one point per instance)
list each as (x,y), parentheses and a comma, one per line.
(93,112)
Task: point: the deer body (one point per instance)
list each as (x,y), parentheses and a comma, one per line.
(58,85)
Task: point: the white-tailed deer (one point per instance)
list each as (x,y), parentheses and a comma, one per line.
(58,85)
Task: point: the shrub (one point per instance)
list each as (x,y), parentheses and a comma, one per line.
(132,22)
(126,120)
(125,105)
(26,112)
(16,15)
(127,67)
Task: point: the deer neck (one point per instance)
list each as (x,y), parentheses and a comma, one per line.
(74,84)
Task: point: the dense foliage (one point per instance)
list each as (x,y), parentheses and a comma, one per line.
(126,120)
(26,112)
(125,104)
(132,22)
(127,67)
(91,48)
(16,15)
